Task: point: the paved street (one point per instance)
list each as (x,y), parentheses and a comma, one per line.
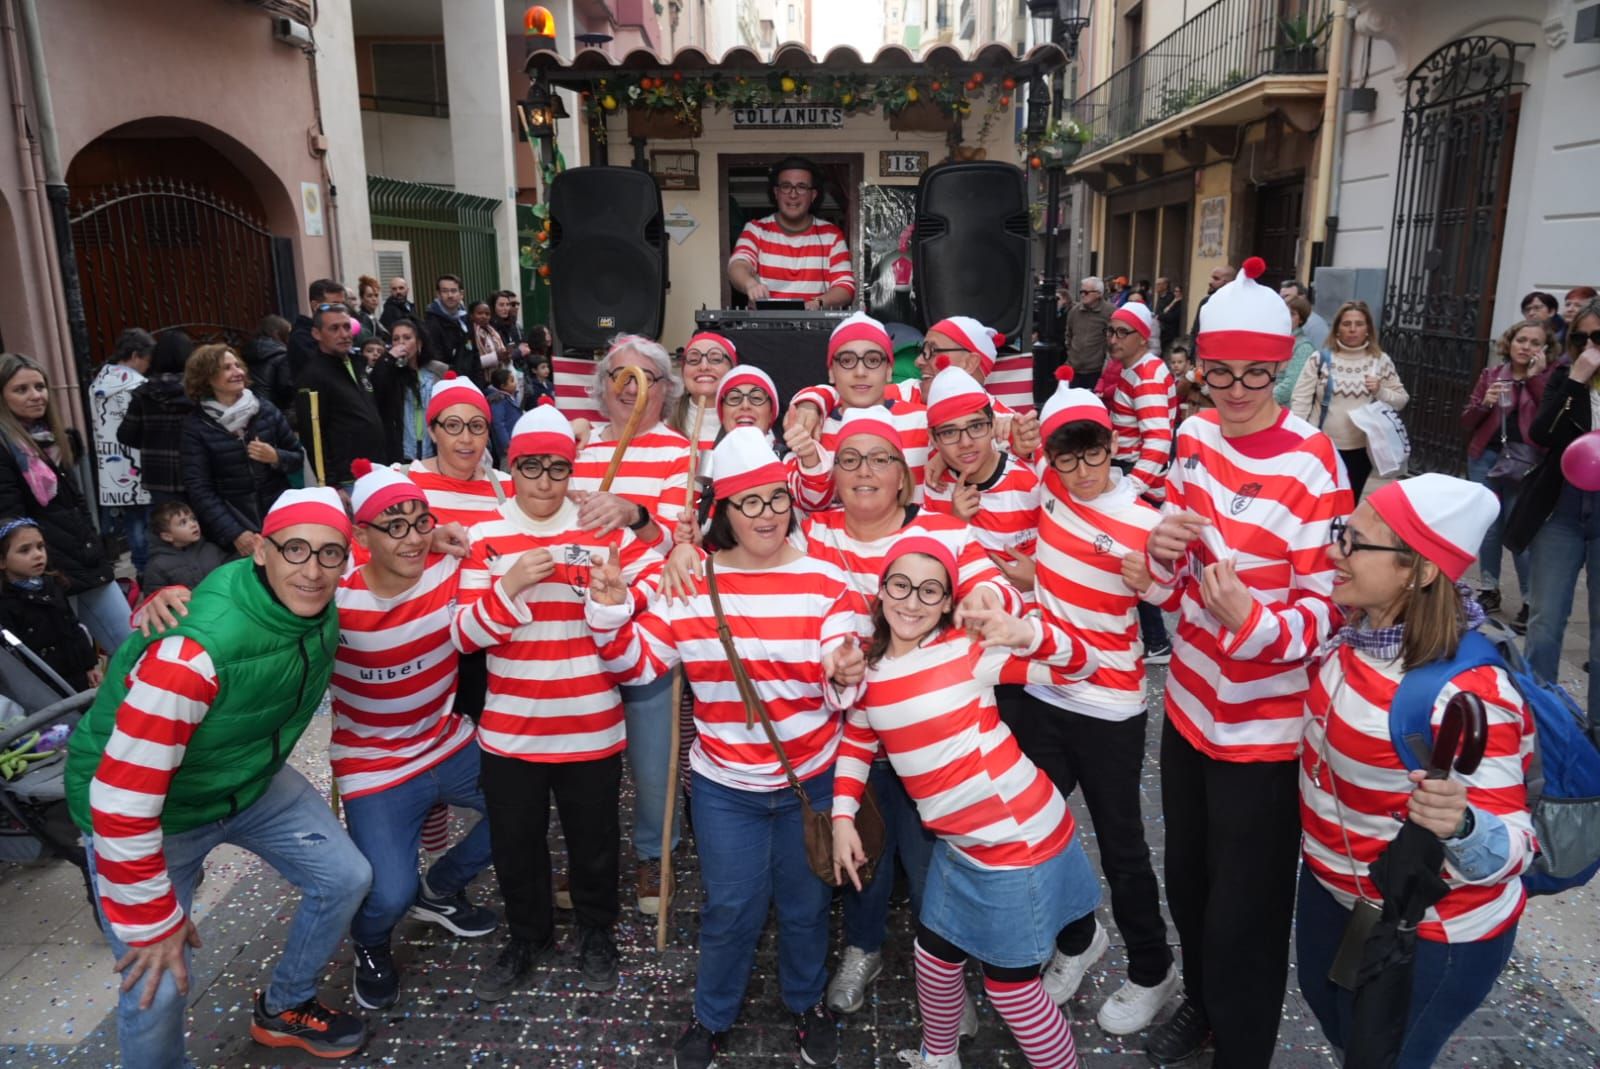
(57,987)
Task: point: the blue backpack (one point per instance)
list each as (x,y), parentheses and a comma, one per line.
(1564,780)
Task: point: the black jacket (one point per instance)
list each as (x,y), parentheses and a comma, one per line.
(302,347)
(1169,314)
(449,340)
(46,624)
(394,308)
(229,492)
(269,372)
(351,424)
(371,327)
(69,534)
(391,381)
(171,566)
(154,426)
(1563,415)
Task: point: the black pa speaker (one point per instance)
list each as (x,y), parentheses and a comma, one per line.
(974,248)
(608,256)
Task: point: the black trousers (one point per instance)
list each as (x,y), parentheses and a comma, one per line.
(517,795)
(1105,758)
(1233,847)
(1358,464)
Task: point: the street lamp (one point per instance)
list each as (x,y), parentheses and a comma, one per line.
(1067,23)
(538,111)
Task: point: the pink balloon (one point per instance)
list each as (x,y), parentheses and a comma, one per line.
(1580,462)
(355,327)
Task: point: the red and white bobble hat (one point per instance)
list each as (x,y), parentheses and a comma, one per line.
(874,420)
(542,431)
(1441,517)
(954,394)
(859,327)
(972,336)
(1138,317)
(1069,405)
(743,459)
(711,337)
(455,390)
(746,376)
(315,504)
(1245,321)
(379,488)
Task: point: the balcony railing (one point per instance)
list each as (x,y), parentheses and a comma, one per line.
(1229,43)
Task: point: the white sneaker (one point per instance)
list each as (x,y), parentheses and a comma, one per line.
(918,1060)
(1065,973)
(969,1018)
(1132,1007)
(847,991)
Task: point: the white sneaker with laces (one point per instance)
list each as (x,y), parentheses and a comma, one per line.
(1132,1007)
(1065,973)
(847,991)
(969,1018)
(918,1060)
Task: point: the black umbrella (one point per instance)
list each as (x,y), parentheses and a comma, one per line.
(1406,874)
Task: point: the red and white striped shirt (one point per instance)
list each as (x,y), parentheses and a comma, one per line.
(1008,509)
(1144,412)
(394,681)
(171,688)
(933,712)
(654,472)
(784,621)
(1348,755)
(825,537)
(463,501)
(549,697)
(909,418)
(1272,498)
(795,266)
(1078,582)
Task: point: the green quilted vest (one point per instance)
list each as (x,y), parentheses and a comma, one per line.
(272,669)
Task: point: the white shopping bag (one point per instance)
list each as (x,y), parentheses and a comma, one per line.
(1387,442)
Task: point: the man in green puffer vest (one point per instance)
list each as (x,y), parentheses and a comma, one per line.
(185,748)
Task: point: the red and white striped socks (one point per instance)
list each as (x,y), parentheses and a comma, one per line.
(941,996)
(436,831)
(1041,1030)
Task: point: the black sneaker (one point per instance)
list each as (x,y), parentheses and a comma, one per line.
(1161,654)
(697,1048)
(1520,624)
(454,912)
(311,1027)
(376,984)
(597,959)
(1489,601)
(817,1033)
(511,968)
(1180,1037)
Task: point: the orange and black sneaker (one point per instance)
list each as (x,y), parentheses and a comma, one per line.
(311,1027)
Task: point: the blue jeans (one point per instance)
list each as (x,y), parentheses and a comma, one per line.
(866,912)
(1568,543)
(648,712)
(1491,552)
(1449,982)
(104,611)
(386,826)
(133,523)
(753,856)
(291,828)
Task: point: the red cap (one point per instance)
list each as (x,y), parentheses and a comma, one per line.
(928,546)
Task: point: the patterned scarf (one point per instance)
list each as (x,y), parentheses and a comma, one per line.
(36,463)
(1383,643)
(235,418)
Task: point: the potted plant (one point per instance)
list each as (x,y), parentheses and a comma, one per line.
(664,109)
(1062,142)
(1298,42)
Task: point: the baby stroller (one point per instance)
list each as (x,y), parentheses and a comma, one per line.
(34,822)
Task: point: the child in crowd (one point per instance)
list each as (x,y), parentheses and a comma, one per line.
(504,409)
(373,349)
(179,556)
(34,606)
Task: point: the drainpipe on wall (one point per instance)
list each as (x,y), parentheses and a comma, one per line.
(1332,126)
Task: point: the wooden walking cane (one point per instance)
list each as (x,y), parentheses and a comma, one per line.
(641,397)
(691,510)
(314,402)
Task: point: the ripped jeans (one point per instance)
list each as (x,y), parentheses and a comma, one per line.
(291,828)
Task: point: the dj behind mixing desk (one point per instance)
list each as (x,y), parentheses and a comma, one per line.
(791,346)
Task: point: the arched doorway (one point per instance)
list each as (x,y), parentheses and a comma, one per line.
(170,235)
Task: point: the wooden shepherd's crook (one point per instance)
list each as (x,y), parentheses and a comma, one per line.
(314,399)
(692,511)
(640,399)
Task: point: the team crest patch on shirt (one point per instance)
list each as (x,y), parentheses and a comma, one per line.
(579,561)
(1102,543)
(1242,500)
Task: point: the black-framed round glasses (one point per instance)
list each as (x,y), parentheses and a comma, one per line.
(753,505)
(1119,332)
(455,426)
(532,468)
(1345,539)
(794,187)
(755,397)
(619,376)
(399,527)
(712,357)
(1254,378)
(977,430)
(871,361)
(1096,456)
(929,591)
(850,460)
(297,551)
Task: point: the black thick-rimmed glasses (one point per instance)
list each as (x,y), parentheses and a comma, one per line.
(1095,457)
(621,376)
(710,357)
(755,397)
(1254,378)
(931,351)
(950,434)
(929,591)
(1345,538)
(399,527)
(754,505)
(455,426)
(532,468)
(297,551)
(871,361)
(850,460)
(794,187)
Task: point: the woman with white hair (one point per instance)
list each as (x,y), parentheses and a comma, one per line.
(647,497)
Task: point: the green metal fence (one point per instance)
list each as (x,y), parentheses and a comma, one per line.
(450,233)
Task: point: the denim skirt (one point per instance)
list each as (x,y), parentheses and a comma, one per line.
(1007,917)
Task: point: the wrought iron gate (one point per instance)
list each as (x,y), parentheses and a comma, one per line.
(166,255)
(1449,213)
